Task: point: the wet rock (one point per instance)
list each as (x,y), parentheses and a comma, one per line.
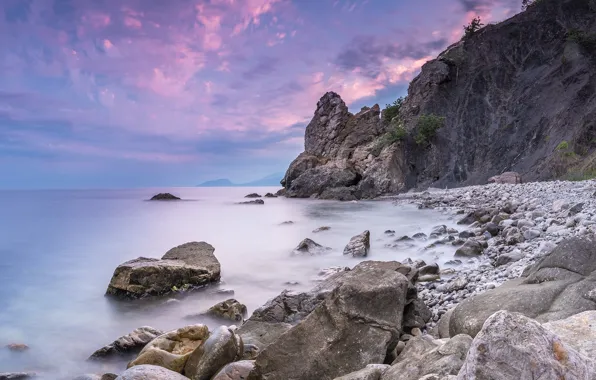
(224,346)
(438,231)
(150,372)
(359,245)
(511,346)
(228,309)
(235,371)
(429,269)
(164,197)
(389,232)
(184,267)
(17,347)
(270,195)
(128,344)
(309,247)
(466,234)
(252,195)
(255,202)
(172,350)
(576,209)
(471,248)
(492,229)
(370,372)
(416,315)
(321,229)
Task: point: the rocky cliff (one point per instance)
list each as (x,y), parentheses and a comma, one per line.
(516,96)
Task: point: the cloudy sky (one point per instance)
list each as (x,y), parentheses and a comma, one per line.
(129,93)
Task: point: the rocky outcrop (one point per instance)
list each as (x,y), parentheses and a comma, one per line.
(184,267)
(487,92)
(561,284)
(128,344)
(164,197)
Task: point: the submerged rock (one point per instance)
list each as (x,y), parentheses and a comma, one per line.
(164,197)
(228,309)
(252,195)
(150,372)
(321,229)
(17,347)
(128,344)
(184,267)
(255,202)
(359,245)
(309,247)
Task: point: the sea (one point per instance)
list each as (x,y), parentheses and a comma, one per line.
(59,249)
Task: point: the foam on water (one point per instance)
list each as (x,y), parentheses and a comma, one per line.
(58,250)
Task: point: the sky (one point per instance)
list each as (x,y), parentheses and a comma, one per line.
(142,93)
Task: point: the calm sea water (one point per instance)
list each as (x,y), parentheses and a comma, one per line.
(58,250)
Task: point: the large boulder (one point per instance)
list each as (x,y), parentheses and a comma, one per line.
(359,245)
(561,284)
(224,346)
(512,346)
(184,267)
(356,324)
(316,180)
(172,350)
(423,357)
(129,344)
(150,372)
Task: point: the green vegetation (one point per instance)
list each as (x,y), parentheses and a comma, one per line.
(427,127)
(396,133)
(581,175)
(563,145)
(586,40)
(472,27)
(392,110)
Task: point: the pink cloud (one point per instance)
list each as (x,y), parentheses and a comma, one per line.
(132,22)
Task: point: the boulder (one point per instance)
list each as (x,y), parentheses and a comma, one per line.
(416,314)
(253,195)
(228,309)
(150,372)
(129,344)
(559,285)
(257,335)
(255,202)
(509,257)
(359,245)
(224,346)
(355,325)
(235,371)
(471,248)
(370,372)
(577,331)
(172,350)
(512,346)
(429,269)
(507,177)
(309,247)
(321,229)
(164,197)
(424,357)
(270,195)
(184,267)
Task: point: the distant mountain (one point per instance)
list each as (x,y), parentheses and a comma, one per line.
(270,180)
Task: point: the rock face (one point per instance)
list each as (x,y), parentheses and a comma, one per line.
(511,346)
(356,324)
(127,344)
(164,197)
(561,284)
(359,245)
(150,372)
(489,88)
(184,267)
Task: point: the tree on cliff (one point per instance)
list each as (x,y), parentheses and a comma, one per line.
(473,26)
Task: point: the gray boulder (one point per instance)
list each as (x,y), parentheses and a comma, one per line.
(228,309)
(235,371)
(128,344)
(370,372)
(561,284)
(424,357)
(150,372)
(354,326)
(309,247)
(511,346)
(359,245)
(509,257)
(471,248)
(184,267)
(224,346)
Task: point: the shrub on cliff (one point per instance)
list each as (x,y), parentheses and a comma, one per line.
(396,133)
(392,110)
(427,128)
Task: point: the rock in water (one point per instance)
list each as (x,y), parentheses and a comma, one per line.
(309,247)
(359,245)
(471,248)
(270,195)
(150,372)
(511,346)
(235,371)
(255,202)
(172,350)
(184,267)
(127,344)
(17,375)
(321,229)
(224,346)
(353,327)
(164,197)
(17,347)
(252,195)
(228,309)
(507,177)
(556,287)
